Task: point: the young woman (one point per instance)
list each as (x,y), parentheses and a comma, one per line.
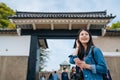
(92,68)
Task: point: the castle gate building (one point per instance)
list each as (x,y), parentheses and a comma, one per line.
(32,30)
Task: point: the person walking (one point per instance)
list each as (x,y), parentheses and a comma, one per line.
(64,75)
(50,77)
(55,76)
(73,73)
(42,77)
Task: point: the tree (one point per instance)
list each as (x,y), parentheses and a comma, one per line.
(108,27)
(116,25)
(43,58)
(5,12)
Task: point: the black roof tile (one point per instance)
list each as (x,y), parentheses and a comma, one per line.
(8,31)
(113,32)
(58,15)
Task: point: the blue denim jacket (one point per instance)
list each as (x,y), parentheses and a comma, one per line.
(96,69)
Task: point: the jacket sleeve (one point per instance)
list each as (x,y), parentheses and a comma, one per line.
(71,58)
(100,64)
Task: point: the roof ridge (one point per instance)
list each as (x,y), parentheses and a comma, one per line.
(62,12)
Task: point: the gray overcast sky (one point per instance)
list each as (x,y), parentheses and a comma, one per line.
(60,49)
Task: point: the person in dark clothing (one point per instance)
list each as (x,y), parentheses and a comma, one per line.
(64,75)
(50,77)
(73,73)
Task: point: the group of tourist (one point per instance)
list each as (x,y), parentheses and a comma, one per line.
(64,75)
(53,76)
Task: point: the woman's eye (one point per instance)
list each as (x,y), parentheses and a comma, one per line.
(86,34)
(82,34)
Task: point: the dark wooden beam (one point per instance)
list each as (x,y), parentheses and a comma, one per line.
(31,70)
(57,34)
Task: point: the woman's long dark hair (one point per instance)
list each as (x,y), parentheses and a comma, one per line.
(81,51)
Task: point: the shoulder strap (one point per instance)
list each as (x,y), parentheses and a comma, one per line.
(93,54)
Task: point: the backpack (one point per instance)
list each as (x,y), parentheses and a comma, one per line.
(107,75)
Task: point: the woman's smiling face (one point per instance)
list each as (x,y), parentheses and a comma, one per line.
(84,37)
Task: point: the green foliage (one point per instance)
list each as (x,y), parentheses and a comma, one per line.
(116,25)
(5,12)
(43,58)
(108,27)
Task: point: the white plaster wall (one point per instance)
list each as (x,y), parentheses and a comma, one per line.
(108,44)
(14,45)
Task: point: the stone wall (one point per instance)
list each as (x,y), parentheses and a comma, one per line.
(13,67)
(113,63)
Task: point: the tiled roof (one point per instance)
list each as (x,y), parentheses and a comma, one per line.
(112,32)
(8,31)
(58,15)
(65,63)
